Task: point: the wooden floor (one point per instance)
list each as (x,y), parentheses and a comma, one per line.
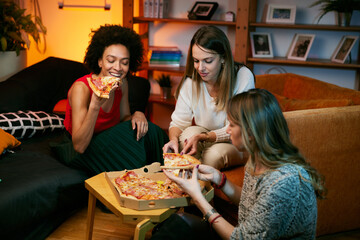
(107,226)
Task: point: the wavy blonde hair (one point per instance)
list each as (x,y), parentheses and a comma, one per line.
(260,118)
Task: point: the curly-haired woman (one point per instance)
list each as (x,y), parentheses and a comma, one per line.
(103,132)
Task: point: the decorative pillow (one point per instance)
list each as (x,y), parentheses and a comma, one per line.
(7,141)
(298,104)
(60,107)
(292,104)
(28,124)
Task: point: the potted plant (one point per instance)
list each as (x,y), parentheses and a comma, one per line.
(344,9)
(15,28)
(165,84)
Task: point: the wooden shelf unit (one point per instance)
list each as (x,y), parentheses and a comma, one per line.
(245,22)
(310,62)
(307,26)
(182,20)
(240,25)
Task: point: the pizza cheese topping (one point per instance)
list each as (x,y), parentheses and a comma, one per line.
(102,86)
(140,187)
(175,160)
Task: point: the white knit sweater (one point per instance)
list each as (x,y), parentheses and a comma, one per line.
(204,112)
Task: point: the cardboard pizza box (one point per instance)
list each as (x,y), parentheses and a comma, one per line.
(153,171)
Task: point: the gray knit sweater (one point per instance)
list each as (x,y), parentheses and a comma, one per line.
(277,205)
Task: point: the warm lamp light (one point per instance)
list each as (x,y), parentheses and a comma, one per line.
(106,5)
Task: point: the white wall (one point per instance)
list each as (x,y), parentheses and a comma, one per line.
(68,29)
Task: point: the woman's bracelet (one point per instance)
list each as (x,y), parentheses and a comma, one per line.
(222,182)
(209,214)
(212,221)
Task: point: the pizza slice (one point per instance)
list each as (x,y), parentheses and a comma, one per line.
(177,161)
(102,86)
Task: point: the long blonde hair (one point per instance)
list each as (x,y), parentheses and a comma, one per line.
(259,116)
(215,41)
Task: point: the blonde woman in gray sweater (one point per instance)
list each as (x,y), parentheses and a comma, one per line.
(278,196)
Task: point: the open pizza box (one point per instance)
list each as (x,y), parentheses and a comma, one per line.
(153,171)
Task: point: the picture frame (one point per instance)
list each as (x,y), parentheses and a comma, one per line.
(261,45)
(276,13)
(343,49)
(300,46)
(202,10)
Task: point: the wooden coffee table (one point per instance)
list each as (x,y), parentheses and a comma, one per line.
(99,188)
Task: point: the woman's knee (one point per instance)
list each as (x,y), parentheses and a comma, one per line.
(222,155)
(191,131)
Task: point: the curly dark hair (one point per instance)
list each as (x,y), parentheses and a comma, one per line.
(108,35)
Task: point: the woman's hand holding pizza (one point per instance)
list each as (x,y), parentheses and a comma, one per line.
(209,174)
(139,122)
(96,102)
(191,186)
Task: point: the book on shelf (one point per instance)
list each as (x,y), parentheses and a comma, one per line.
(155,64)
(146,8)
(164,55)
(151,8)
(164,48)
(163,8)
(156,8)
(157,54)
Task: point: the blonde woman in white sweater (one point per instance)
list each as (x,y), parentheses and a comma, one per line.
(211,78)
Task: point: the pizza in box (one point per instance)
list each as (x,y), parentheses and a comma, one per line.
(137,186)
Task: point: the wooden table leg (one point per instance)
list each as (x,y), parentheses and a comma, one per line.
(90,216)
(142,228)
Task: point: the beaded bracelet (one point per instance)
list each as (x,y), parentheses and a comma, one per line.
(212,221)
(222,182)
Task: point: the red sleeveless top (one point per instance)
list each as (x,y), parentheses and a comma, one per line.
(104,120)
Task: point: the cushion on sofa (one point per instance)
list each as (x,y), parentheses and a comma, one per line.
(289,104)
(7,141)
(27,124)
(271,82)
(60,107)
(301,87)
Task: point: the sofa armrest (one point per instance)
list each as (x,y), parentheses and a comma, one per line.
(329,138)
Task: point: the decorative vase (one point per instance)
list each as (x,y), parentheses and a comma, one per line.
(343,18)
(166,92)
(11,64)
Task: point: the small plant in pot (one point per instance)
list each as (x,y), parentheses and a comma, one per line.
(15,27)
(165,84)
(343,8)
